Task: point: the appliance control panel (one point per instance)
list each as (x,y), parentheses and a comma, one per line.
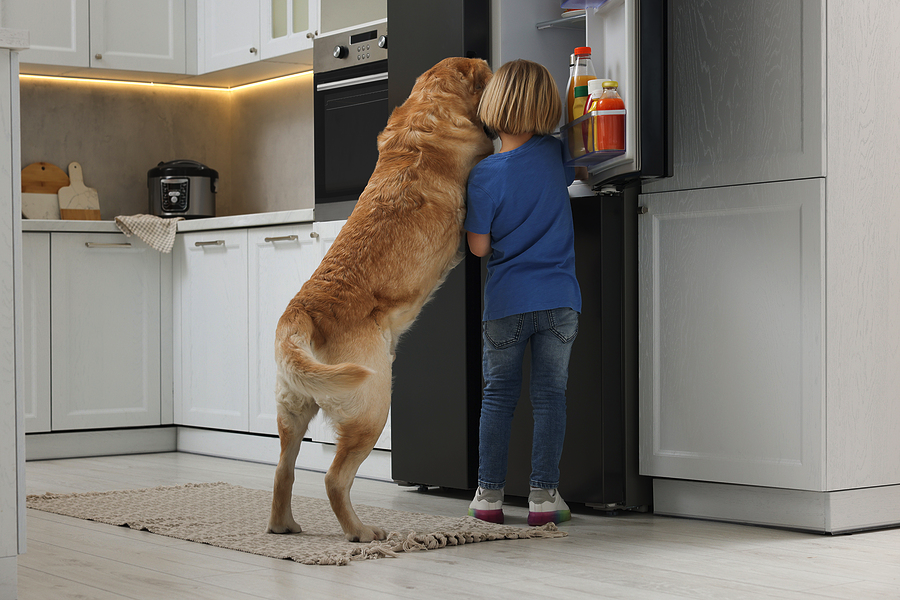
(174,194)
(346,49)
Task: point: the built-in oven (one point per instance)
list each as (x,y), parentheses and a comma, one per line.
(350,110)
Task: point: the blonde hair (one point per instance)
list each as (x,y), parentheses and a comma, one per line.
(521,97)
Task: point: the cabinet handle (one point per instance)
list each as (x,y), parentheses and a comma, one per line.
(215,243)
(314,234)
(283,238)
(252,50)
(98,56)
(642,210)
(99,245)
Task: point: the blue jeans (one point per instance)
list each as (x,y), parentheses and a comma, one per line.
(551,333)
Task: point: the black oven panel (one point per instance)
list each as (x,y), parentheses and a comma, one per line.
(350,110)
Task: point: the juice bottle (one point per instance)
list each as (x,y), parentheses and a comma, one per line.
(607,130)
(576,137)
(582,72)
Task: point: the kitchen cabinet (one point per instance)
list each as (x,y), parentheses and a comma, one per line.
(769,320)
(211,329)
(346,14)
(133,35)
(746,108)
(281,260)
(36,328)
(239,33)
(731,306)
(105,324)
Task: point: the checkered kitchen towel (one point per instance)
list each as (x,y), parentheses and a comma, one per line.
(159,233)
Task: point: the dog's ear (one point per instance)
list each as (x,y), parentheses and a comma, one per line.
(476,73)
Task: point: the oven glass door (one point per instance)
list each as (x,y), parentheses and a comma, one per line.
(351,109)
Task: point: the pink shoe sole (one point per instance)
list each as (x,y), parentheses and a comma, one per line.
(491,516)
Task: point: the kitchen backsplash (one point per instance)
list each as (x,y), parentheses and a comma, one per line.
(259,139)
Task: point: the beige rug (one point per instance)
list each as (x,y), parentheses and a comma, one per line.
(234,517)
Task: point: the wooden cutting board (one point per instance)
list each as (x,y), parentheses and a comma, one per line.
(77,201)
(41,182)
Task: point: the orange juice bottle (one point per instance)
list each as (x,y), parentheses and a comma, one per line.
(582,72)
(607,130)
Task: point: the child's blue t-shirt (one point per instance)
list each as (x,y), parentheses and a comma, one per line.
(521,198)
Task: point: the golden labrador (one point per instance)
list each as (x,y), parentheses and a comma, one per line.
(335,343)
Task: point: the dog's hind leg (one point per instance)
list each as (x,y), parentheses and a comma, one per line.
(356,438)
(291,429)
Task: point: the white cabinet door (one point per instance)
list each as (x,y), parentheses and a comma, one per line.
(58,30)
(210,270)
(281,260)
(36,327)
(748,93)
(104,314)
(731,334)
(320,429)
(138,35)
(229,33)
(287,26)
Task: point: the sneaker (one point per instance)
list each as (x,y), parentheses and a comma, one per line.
(547,506)
(487,505)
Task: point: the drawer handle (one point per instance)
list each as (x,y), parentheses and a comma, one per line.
(314,234)
(97,245)
(214,243)
(282,238)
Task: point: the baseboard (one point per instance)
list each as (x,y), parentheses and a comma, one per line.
(8,577)
(843,511)
(101,442)
(314,456)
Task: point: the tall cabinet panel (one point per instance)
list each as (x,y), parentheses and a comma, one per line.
(748,92)
(731,351)
(211,338)
(105,351)
(36,326)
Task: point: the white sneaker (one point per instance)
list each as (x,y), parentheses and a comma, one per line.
(547,506)
(487,505)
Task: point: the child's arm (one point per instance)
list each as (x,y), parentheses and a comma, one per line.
(479,243)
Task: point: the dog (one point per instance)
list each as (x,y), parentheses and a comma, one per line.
(335,342)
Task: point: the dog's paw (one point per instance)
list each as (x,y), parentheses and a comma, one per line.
(366,534)
(291,527)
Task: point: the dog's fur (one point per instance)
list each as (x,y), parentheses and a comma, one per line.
(335,343)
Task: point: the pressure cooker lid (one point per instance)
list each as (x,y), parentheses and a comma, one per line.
(182,168)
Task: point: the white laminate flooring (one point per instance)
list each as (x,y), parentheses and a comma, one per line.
(632,556)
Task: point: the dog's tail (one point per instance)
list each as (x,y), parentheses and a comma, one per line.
(316,379)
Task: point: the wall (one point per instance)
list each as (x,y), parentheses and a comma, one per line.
(258,138)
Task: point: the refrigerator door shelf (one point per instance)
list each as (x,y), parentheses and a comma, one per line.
(585,156)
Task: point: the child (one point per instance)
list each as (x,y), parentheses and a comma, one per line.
(519,212)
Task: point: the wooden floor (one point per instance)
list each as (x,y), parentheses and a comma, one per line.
(633,556)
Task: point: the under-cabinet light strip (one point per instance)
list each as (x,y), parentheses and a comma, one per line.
(155,84)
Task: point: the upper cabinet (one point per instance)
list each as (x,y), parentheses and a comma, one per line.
(346,14)
(126,35)
(234,33)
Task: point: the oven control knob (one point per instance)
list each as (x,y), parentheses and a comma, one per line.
(382,42)
(341,52)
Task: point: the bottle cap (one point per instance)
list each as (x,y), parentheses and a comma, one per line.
(582,50)
(581,90)
(610,84)
(595,85)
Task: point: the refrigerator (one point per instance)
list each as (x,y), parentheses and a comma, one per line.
(437,372)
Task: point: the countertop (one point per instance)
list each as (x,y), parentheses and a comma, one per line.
(304,215)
